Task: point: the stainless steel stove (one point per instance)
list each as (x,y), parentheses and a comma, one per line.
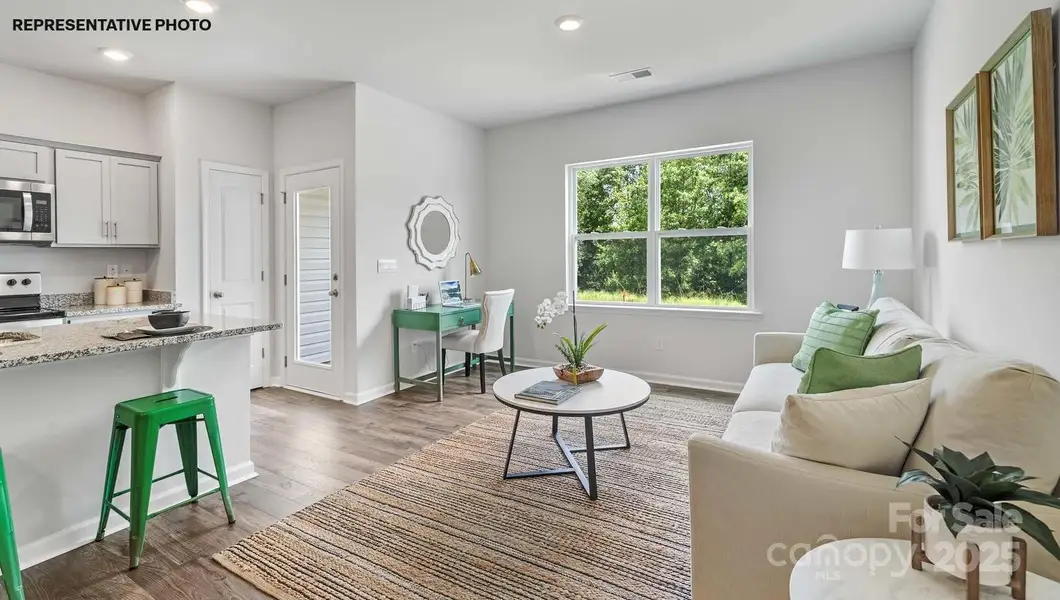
(20,303)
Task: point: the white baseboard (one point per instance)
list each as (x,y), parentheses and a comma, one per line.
(78,535)
(367,396)
(660,378)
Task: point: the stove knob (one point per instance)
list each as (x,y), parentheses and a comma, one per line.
(27,281)
(11,282)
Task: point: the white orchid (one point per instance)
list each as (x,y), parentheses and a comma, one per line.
(551,308)
(572,349)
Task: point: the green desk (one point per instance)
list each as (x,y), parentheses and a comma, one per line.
(441,320)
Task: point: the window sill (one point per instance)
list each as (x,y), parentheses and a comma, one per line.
(729,314)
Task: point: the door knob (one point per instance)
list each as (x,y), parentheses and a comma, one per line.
(218,294)
(334,293)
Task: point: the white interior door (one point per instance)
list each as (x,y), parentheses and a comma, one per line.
(234,284)
(313,328)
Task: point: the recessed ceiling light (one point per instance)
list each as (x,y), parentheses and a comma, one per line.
(570,22)
(204,7)
(115,54)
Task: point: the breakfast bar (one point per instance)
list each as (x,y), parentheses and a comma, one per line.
(59,392)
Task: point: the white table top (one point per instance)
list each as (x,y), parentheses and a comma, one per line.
(615,392)
(841,571)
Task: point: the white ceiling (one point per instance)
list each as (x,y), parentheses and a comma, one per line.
(487,62)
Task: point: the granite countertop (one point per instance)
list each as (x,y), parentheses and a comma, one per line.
(79,340)
(88,310)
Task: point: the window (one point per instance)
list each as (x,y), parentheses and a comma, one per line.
(670,230)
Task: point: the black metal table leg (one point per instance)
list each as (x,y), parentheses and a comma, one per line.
(590,457)
(511,444)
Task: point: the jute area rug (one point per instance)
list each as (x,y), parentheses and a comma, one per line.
(444,524)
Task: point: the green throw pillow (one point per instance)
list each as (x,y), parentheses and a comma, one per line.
(838,329)
(832,371)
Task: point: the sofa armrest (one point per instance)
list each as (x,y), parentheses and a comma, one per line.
(751,509)
(776,347)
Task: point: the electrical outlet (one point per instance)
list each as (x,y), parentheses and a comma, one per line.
(112,270)
(659,345)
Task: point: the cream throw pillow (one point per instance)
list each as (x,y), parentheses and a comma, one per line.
(858,429)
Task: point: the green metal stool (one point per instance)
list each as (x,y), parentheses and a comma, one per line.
(8,549)
(146,416)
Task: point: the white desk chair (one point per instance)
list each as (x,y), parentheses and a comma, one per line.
(487,340)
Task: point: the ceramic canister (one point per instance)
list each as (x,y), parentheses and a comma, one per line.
(99,289)
(134,291)
(117,295)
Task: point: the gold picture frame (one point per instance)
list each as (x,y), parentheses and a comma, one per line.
(1018,156)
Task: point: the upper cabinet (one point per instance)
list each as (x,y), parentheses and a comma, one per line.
(25,161)
(105,200)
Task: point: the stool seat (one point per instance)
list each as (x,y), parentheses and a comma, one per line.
(183,409)
(167,407)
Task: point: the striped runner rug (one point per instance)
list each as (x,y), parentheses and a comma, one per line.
(443,524)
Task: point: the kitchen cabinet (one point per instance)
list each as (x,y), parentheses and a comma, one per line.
(103,200)
(26,161)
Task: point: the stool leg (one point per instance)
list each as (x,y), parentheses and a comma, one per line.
(144,447)
(188,440)
(214,433)
(8,549)
(117,444)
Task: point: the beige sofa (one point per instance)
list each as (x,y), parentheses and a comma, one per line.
(750,507)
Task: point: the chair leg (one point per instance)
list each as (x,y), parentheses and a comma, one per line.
(188,440)
(500,357)
(441,373)
(117,443)
(467,364)
(214,433)
(144,448)
(9,566)
(482,372)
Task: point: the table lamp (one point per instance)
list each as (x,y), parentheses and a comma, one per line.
(878,250)
(471,270)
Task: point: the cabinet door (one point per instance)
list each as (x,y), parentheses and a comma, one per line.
(133,202)
(23,161)
(82,198)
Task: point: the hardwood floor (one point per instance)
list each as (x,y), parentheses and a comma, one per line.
(303,448)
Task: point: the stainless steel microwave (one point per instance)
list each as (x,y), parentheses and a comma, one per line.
(27,212)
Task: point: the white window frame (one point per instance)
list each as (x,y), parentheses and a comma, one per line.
(653,235)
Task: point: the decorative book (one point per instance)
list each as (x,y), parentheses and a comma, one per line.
(549,392)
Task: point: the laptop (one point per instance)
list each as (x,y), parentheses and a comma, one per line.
(451,293)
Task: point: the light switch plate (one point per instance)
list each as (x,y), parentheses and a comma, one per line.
(126,270)
(386,265)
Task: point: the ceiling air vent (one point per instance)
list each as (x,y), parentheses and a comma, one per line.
(633,75)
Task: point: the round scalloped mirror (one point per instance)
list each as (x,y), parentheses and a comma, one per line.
(434,232)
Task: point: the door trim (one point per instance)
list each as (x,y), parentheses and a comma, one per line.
(282,232)
(266,245)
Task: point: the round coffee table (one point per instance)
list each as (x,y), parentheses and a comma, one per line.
(614,394)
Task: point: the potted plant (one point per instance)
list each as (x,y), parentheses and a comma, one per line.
(974,505)
(574,350)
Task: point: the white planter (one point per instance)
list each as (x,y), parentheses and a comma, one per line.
(996,549)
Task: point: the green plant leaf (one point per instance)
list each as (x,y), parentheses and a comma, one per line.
(999,490)
(982,462)
(949,516)
(966,488)
(957,462)
(1013,474)
(1034,527)
(947,491)
(1033,497)
(928,458)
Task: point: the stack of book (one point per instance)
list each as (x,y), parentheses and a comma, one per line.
(549,392)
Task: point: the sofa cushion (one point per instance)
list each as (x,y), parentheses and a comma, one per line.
(767,386)
(857,429)
(832,371)
(835,328)
(983,403)
(753,429)
(897,327)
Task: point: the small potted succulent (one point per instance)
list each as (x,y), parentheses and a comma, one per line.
(574,350)
(974,504)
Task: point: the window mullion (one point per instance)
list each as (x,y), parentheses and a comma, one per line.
(654,220)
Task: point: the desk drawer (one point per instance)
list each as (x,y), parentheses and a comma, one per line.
(461,319)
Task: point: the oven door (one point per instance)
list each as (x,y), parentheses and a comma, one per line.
(26,213)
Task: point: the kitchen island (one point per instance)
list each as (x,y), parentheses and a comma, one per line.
(56,411)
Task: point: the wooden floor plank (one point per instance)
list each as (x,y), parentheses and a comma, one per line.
(304,448)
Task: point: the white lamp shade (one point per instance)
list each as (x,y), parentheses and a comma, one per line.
(879,249)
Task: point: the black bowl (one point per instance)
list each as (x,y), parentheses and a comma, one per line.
(168,319)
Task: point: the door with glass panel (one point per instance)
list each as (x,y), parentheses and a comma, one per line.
(313,281)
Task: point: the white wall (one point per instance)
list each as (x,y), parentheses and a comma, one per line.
(831,153)
(63,110)
(996,295)
(405,152)
(307,132)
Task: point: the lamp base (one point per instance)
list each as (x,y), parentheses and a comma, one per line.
(877,287)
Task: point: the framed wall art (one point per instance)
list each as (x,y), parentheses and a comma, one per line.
(1019,169)
(963,164)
